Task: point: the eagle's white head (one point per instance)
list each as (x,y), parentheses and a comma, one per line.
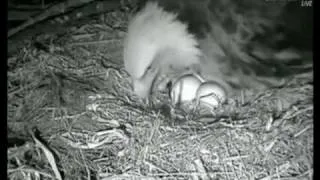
(156,42)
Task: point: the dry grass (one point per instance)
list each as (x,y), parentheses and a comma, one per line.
(76,94)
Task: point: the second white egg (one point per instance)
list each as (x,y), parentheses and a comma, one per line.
(211,94)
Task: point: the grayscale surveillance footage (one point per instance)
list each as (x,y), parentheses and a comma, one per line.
(160,89)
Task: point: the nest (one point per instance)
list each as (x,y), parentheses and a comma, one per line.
(72,115)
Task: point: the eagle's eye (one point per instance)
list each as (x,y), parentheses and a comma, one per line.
(150,69)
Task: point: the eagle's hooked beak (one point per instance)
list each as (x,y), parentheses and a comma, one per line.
(143,86)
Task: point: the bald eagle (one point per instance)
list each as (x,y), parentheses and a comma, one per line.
(248,44)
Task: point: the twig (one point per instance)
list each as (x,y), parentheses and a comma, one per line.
(16,15)
(53,10)
(109,41)
(21,169)
(50,157)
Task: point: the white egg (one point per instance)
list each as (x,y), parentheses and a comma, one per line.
(184,89)
(211,94)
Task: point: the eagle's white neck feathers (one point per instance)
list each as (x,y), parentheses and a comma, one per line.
(153,31)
